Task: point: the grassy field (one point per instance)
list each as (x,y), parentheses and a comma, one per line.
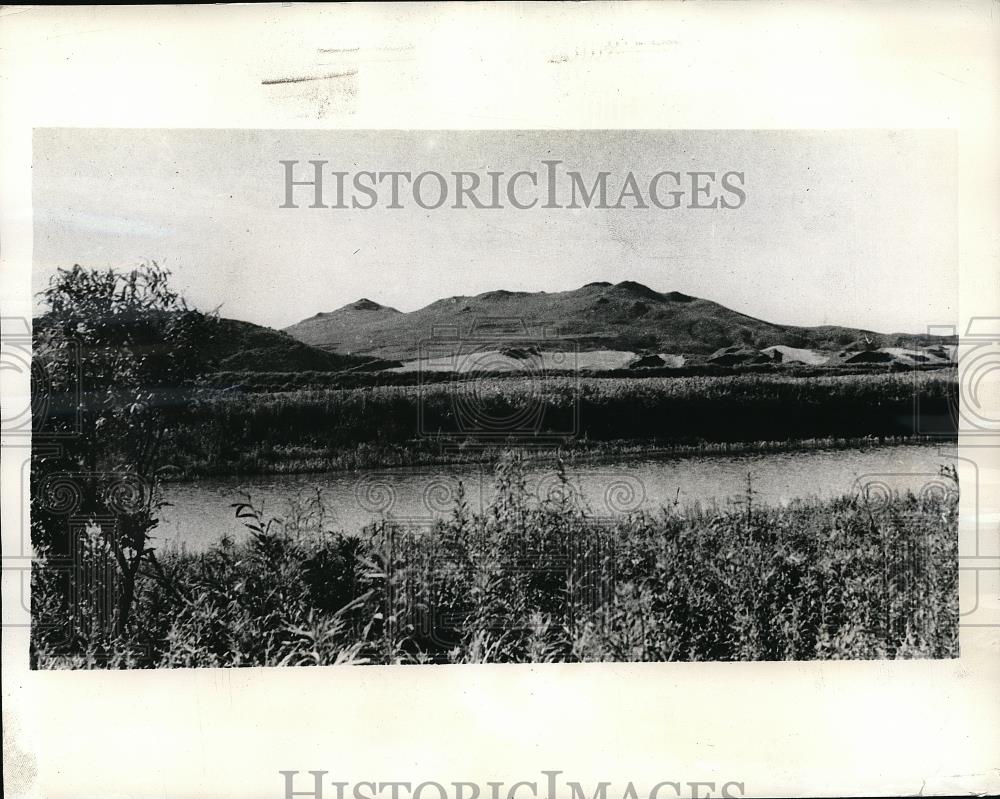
(223,432)
(534,581)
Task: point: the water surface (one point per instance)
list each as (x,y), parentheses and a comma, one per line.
(201,511)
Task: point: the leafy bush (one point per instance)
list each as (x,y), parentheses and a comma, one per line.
(114,352)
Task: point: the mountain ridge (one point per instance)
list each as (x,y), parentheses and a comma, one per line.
(598,315)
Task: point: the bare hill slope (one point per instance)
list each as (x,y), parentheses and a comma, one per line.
(598,316)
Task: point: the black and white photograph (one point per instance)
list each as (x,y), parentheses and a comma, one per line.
(446,400)
(425,397)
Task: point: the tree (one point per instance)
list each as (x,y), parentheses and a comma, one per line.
(117,353)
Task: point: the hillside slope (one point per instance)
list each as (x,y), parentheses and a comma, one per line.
(246,347)
(237,346)
(598,316)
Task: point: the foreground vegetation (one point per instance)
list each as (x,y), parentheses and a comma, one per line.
(532,580)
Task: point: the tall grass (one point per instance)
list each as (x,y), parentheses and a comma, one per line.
(389,425)
(540,579)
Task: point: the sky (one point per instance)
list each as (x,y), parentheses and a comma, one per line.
(857,228)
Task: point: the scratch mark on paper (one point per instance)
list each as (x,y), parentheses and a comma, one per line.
(367,55)
(9,11)
(307,78)
(315,96)
(949,77)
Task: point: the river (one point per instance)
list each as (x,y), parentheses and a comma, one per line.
(200,511)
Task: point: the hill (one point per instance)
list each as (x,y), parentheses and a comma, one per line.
(246,347)
(359,327)
(238,346)
(625,316)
